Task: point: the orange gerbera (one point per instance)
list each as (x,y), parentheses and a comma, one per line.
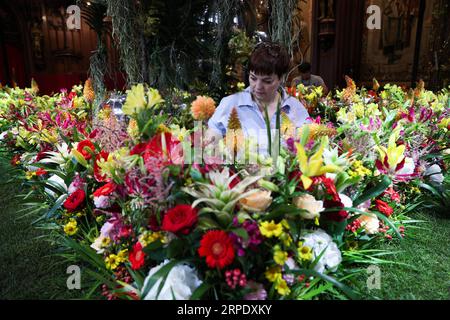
(203,108)
(218,249)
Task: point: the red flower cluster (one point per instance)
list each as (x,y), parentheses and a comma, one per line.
(383,207)
(334,202)
(75,200)
(137,256)
(85,147)
(218,249)
(180,219)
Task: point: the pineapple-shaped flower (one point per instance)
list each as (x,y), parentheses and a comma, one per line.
(88,91)
(203,108)
(234,138)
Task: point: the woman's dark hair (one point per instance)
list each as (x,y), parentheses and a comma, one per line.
(269,58)
(304,67)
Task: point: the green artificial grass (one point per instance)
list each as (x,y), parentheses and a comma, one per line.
(28,267)
(426,252)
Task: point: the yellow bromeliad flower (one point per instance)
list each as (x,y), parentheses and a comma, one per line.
(313,166)
(271,229)
(282,287)
(273,274)
(71,227)
(112,261)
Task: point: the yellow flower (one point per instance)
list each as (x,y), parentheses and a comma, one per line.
(135,100)
(270,229)
(105,242)
(149,237)
(286,239)
(305,253)
(30,174)
(280,256)
(203,108)
(123,255)
(71,227)
(154,98)
(313,166)
(273,274)
(112,261)
(257,202)
(282,288)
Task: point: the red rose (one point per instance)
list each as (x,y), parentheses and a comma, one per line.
(337,216)
(383,207)
(137,256)
(85,147)
(218,249)
(105,190)
(97,172)
(75,200)
(180,219)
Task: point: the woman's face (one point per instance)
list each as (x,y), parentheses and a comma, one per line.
(264,87)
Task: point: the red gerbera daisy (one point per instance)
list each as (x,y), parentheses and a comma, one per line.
(218,249)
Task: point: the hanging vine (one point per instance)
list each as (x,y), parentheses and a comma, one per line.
(94,15)
(123,14)
(225,13)
(280,22)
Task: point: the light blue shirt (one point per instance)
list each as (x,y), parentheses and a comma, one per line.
(252,119)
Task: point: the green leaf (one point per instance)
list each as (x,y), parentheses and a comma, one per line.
(241,232)
(373,192)
(205,223)
(200,291)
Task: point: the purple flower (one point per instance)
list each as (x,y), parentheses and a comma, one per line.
(258,293)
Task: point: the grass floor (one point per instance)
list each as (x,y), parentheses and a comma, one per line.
(28,270)
(426,251)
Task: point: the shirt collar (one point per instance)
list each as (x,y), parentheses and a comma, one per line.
(246,99)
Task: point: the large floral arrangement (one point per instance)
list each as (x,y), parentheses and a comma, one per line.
(155,221)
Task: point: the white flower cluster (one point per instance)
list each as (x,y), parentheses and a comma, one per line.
(319,241)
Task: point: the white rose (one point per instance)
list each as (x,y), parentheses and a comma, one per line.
(309,203)
(180,283)
(320,241)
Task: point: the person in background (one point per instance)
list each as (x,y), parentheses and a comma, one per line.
(308,79)
(268,67)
